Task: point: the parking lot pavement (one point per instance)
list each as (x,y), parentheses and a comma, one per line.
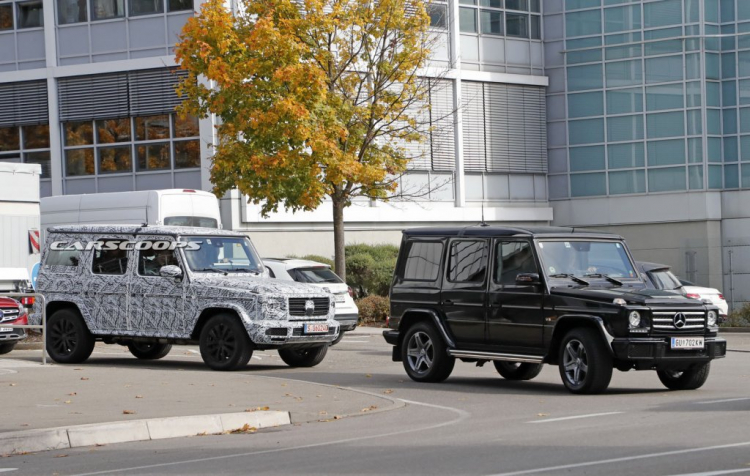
(114,386)
(474,423)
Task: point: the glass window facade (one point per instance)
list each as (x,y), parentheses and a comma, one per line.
(128,145)
(510,18)
(28,144)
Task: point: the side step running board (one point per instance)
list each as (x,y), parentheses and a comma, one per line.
(473,354)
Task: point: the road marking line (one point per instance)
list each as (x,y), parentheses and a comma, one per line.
(549,420)
(626,458)
(355,341)
(717,473)
(462,415)
(723,401)
(7,470)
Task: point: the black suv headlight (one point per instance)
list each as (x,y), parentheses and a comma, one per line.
(711,318)
(634,319)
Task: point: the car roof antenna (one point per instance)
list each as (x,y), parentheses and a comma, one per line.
(483,223)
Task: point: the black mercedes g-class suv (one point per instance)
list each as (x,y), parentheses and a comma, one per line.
(523,297)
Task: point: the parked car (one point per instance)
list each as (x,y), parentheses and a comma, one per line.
(523,297)
(659,276)
(12,313)
(149,287)
(320,275)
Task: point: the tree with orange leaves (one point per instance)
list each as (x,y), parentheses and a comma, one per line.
(316,98)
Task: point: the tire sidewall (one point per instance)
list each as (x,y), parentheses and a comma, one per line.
(7,347)
(599,364)
(243,349)
(304,357)
(85,341)
(442,363)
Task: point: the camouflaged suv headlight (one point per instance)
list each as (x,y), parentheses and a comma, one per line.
(711,318)
(634,318)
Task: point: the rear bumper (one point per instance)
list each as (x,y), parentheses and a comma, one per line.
(348,321)
(656,352)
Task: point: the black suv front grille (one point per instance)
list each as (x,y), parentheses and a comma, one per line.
(678,321)
(8,314)
(297,306)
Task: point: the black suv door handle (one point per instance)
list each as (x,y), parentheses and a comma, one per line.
(448,302)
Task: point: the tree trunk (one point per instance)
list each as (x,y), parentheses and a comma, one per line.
(338,237)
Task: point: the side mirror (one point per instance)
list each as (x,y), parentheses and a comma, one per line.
(170,271)
(528,279)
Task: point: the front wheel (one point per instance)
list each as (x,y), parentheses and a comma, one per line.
(68,339)
(585,364)
(425,355)
(305,357)
(517,370)
(689,379)
(7,347)
(149,350)
(224,343)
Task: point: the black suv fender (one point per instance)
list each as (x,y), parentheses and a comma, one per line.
(409,318)
(571,321)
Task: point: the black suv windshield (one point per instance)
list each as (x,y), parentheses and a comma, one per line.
(593,259)
(222,254)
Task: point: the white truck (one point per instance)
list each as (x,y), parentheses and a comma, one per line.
(19,224)
(174,207)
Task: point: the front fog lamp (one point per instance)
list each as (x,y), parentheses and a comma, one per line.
(634,318)
(711,318)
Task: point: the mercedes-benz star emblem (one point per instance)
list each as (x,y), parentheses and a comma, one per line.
(679,320)
(309,307)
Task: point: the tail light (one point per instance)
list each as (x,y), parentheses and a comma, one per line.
(188,191)
(388,321)
(27,301)
(351,291)
(693,296)
(721,296)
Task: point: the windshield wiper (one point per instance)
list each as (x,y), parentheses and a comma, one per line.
(245,270)
(600,275)
(570,276)
(212,270)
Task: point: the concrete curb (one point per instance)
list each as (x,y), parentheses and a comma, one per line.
(29,441)
(29,346)
(734,330)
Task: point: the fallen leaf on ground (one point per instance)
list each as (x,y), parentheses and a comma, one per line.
(68,401)
(78,368)
(368,375)
(323,412)
(337,417)
(73,393)
(61,456)
(257,409)
(13,384)
(370,408)
(139,396)
(388,392)
(128,412)
(542,414)
(84,378)
(245,429)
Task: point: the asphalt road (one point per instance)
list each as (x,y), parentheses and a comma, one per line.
(474,423)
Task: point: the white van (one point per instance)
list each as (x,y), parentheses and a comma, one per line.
(174,207)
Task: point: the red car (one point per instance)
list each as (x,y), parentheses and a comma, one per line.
(11,313)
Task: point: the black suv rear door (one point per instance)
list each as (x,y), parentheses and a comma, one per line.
(515,318)
(464,293)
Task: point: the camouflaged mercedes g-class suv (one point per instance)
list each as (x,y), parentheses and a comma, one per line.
(525,297)
(149,287)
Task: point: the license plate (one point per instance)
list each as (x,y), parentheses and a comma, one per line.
(339,298)
(316,328)
(6,329)
(687,343)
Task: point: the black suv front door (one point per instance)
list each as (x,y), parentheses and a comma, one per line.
(464,293)
(515,316)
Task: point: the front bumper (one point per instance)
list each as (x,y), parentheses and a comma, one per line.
(14,335)
(650,352)
(273,334)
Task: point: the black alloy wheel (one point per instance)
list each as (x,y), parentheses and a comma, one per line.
(585,364)
(68,339)
(425,355)
(224,343)
(149,350)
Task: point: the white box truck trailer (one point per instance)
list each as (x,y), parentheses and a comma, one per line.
(174,207)
(19,224)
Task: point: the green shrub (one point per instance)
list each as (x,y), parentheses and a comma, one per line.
(369,268)
(373,310)
(739,318)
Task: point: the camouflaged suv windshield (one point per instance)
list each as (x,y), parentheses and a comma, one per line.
(221,254)
(586,259)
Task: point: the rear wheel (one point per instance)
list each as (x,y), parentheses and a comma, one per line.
(7,347)
(585,364)
(425,355)
(149,350)
(689,379)
(68,339)
(224,343)
(304,357)
(517,370)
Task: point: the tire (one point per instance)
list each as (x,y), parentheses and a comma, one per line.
(338,339)
(425,355)
(305,357)
(6,348)
(516,370)
(68,339)
(689,379)
(224,343)
(149,350)
(585,364)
